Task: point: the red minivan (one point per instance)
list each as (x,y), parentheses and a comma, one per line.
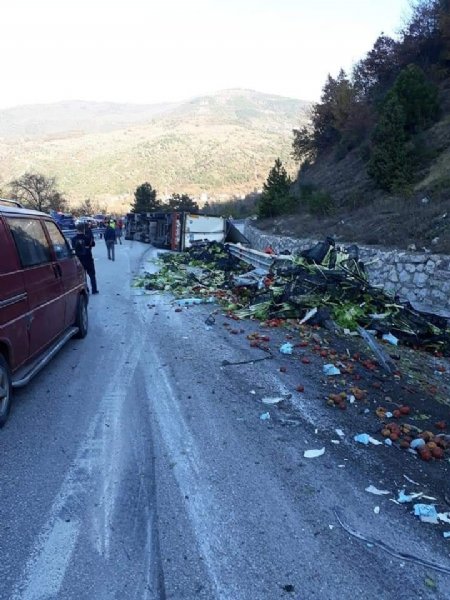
(43,296)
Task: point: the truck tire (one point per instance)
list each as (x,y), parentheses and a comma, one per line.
(82,321)
(5,390)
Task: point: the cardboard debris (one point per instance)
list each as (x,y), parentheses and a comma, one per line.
(404,498)
(287,348)
(426,513)
(272,400)
(330,370)
(313,453)
(373,490)
(365,438)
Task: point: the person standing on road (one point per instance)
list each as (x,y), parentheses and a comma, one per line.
(82,243)
(119,226)
(110,240)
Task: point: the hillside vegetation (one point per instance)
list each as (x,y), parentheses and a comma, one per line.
(376,152)
(219,144)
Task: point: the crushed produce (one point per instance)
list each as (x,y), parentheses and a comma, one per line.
(323,278)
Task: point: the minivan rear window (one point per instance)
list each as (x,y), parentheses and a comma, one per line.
(60,246)
(30,240)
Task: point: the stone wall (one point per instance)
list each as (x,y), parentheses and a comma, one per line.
(421,278)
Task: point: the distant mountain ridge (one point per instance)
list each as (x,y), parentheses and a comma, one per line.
(219,144)
(76,115)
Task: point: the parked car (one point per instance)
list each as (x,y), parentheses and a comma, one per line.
(100,219)
(43,296)
(64,220)
(86,220)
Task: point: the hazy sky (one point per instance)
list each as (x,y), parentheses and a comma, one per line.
(146,51)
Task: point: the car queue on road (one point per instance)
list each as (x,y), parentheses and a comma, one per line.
(43,291)
(43,296)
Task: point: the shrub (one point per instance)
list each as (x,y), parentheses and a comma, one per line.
(320,204)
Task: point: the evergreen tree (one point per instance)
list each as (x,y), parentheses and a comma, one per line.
(183,203)
(275,197)
(418,97)
(145,199)
(375,73)
(303,147)
(444,30)
(330,118)
(325,132)
(390,164)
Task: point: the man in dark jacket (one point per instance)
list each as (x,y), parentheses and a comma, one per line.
(83,243)
(110,239)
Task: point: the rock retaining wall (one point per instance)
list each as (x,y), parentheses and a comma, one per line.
(422,278)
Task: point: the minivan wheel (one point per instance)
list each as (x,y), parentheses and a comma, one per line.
(5,390)
(82,318)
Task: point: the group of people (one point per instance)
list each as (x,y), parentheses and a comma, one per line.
(83,242)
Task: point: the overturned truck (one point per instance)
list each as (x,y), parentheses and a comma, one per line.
(180,230)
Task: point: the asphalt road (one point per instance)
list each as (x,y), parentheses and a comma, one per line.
(136,466)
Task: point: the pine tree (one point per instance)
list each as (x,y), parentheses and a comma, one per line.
(390,164)
(418,97)
(145,199)
(444,30)
(183,202)
(275,197)
(303,146)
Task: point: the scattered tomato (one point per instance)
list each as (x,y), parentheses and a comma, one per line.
(437,452)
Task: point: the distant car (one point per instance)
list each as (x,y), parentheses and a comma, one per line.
(43,296)
(100,219)
(87,220)
(64,220)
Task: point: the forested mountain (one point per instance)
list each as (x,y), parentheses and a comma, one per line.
(376,152)
(224,143)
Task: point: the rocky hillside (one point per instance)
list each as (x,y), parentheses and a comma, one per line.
(347,181)
(361,212)
(219,144)
(376,152)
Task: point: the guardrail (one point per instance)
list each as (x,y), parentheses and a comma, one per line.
(259,259)
(70,233)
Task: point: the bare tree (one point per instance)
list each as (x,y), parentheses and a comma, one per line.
(87,207)
(37,191)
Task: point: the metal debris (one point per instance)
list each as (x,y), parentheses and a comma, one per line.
(396,554)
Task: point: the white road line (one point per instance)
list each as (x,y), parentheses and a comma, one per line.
(95,462)
(48,571)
